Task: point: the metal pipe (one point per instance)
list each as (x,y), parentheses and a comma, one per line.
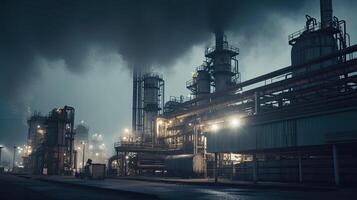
(134,102)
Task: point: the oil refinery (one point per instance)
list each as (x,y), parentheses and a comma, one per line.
(291,131)
(295,124)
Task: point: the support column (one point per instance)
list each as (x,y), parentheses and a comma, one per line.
(255,170)
(215,167)
(335,164)
(300,166)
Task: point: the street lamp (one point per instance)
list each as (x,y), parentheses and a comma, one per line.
(1,146)
(84,148)
(13,159)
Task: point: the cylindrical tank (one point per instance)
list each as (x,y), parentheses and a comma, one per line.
(312,45)
(152,84)
(203,84)
(185,165)
(222,71)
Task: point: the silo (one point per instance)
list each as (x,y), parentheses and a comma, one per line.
(153,88)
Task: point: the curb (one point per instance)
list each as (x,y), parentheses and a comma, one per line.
(235,185)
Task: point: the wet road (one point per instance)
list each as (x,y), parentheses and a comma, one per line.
(46,190)
(13,188)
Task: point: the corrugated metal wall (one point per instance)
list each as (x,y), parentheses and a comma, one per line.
(316,130)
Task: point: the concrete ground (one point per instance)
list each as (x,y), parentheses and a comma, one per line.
(165,190)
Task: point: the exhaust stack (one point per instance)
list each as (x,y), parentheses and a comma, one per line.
(326,13)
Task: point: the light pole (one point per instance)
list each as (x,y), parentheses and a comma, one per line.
(0,152)
(84,148)
(13,159)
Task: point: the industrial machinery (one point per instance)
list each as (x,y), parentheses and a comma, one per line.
(294,124)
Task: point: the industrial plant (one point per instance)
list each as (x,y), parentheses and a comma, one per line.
(295,124)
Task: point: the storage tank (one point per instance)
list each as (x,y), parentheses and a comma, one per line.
(316,40)
(314,44)
(153,86)
(185,165)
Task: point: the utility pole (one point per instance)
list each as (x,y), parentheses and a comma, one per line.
(13,159)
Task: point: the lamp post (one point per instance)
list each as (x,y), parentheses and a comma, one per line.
(0,152)
(84,148)
(13,159)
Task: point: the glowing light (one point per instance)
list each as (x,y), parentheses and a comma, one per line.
(190,124)
(96,154)
(38,126)
(235,122)
(215,127)
(126,130)
(79,148)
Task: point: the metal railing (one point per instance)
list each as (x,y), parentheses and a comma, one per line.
(225,46)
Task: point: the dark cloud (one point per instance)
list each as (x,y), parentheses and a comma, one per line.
(146,33)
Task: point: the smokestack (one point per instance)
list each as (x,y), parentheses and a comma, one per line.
(326,13)
(219,40)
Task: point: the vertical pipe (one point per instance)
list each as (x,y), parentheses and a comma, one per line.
(335,164)
(215,168)
(134,103)
(300,166)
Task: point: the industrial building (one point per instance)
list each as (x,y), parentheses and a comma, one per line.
(295,124)
(51,139)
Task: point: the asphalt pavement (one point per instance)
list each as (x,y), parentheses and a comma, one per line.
(71,188)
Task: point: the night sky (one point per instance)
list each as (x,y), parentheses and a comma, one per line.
(81,53)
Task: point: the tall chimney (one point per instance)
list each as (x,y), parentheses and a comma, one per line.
(219,40)
(326,13)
